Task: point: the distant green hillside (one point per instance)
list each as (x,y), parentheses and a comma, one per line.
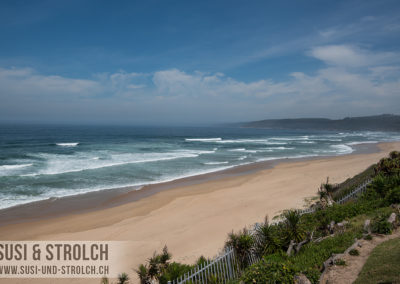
(385,122)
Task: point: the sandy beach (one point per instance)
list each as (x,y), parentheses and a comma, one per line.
(192,219)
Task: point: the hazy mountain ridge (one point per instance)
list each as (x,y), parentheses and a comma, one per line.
(385,122)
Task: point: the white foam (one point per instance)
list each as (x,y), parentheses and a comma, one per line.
(203,139)
(327,139)
(253,141)
(68,144)
(242,158)
(61,164)
(287,157)
(361,142)
(223,141)
(278,148)
(307,142)
(243,150)
(342,148)
(216,163)
(293,138)
(11,170)
(14,167)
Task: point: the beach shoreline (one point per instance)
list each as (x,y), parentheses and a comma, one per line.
(106,198)
(194,219)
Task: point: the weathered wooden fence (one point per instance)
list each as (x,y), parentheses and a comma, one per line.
(356,192)
(226,267)
(223,268)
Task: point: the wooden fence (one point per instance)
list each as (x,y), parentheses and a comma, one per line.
(356,192)
(223,268)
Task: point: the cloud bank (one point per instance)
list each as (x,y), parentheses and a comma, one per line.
(352,81)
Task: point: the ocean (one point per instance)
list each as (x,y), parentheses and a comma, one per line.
(40,162)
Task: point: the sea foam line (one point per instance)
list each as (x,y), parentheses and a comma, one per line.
(73,144)
(203,139)
(13,167)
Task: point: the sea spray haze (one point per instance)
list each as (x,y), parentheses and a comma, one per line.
(39,162)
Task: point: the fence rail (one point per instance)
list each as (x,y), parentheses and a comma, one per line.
(223,268)
(226,267)
(356,192)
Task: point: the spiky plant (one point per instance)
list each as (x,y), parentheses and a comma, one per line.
(266,240)
(293,228)
(154,266)
(123,278)
(243,244)
(322,194)
(143,274)
(165,257)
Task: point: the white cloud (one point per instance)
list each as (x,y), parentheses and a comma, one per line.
(355,82)
(25,81)
(352,56)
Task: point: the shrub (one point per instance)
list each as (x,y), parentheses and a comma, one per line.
(201,260)
(314,254)
(393,196)
(173,271)
(394,155)
(156,268)
(266,239)
(243,244)
(293,229)
(354,252)
(123,278)
(380,225)
(267,271)
(340,262)
(368,237)
(313,274)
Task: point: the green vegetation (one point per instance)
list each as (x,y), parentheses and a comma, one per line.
(383,265)
(354,252)
(160,268)
(266,271)
(309,259)
(368,237)
(384,122)
(243,244)
(380,225)
(340,262)
(123,278)
(303,243)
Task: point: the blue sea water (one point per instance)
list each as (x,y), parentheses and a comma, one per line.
(39,162)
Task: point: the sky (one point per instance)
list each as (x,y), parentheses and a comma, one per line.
(197,62)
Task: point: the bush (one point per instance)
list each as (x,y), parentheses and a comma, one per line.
(173,271)
(243,244)
(308,261)
(380,225)
(393,196)
(354,252)
(267,240)
(340,262)
(314,254)
(293,227)
(267,271)
(368,237)
(312,274)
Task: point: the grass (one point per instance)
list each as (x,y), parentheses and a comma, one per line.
(383,265)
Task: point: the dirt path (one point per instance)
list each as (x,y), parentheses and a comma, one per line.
(348,273)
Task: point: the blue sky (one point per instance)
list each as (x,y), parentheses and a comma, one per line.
(194,62)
